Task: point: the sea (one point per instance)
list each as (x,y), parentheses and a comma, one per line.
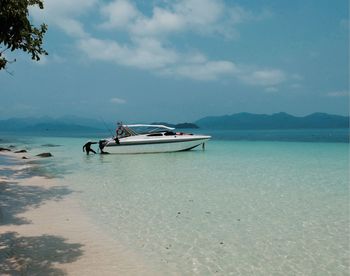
(253,202)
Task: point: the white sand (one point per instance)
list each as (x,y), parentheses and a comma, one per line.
(43,234)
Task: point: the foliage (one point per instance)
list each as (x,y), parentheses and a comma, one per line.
(16,31)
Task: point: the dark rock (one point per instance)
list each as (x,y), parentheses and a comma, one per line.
(12,146)
(45,154)
(23,157)
(20,151)
(50,145)
(4,149)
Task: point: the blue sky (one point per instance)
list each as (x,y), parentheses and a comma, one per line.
(182,60)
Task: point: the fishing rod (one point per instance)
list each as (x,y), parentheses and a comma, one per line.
(106,126)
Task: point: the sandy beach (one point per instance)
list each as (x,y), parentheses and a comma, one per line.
(44,231)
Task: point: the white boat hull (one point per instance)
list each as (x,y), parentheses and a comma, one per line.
(124,148)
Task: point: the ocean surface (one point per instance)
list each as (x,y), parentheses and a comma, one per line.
(252,203)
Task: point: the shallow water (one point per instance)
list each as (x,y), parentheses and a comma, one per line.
(239,207)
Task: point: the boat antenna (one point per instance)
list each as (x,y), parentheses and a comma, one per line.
(106,126)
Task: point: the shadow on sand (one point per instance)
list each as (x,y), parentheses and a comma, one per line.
(30,255)
(16,199)
(35,255)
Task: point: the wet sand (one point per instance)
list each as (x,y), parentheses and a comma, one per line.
(44,231)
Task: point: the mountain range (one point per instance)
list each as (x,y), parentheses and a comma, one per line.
(280,120)
(235,121)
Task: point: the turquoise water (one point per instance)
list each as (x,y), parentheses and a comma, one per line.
(239,207)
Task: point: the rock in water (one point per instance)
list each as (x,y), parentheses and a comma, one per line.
(45,154)
(50,145)
(4,149)
(20,151)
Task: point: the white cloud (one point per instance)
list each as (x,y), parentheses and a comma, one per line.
(117,101)
(64,14)
(150,54)
(181,15)
(72,27)
(209,70)
(342,93)
(44,60)
(197,16)
(265,77)
(144,54)
(162,22)
(54,9)
(148,45)
(118,13)
(200,13)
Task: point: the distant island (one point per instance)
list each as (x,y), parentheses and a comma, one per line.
(235,121)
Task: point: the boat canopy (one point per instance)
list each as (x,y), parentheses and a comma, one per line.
(150,126)
(132,130)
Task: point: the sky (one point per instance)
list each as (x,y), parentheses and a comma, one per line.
(181,60)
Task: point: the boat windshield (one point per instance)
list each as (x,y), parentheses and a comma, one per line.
(132,130)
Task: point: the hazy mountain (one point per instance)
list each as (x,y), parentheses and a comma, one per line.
(275,121)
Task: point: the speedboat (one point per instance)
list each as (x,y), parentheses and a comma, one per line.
(142,138)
